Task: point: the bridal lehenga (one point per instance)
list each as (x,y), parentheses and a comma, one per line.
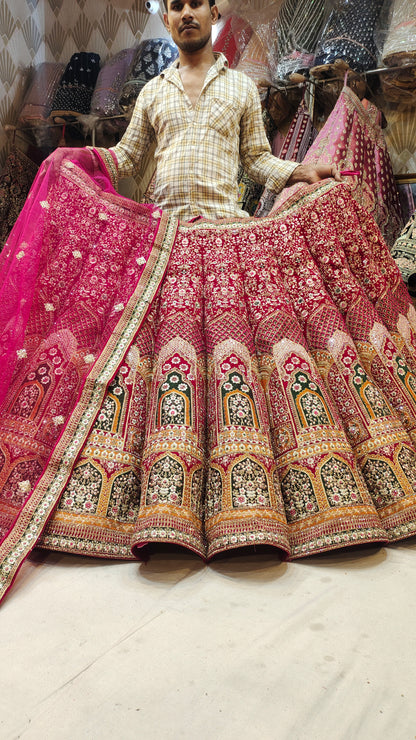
(213,385)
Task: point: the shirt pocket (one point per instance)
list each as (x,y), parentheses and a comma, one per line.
(224,117)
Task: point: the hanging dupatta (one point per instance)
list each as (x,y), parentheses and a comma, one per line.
(78,274)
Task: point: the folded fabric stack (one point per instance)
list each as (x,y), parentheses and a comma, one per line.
(75,89)
(400,50)
(39,98)
(151,58)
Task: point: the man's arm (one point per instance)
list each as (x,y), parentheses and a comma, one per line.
(261,165)
(255,152)
(136,141)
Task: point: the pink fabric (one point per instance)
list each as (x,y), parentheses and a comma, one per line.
(29,248)
(352,139)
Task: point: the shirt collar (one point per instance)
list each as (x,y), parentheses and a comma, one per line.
(221,63)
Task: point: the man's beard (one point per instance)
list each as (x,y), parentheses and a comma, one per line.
(193,44)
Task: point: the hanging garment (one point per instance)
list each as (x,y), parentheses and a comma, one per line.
(16,180)
(151,58)
(39,98)
(75,89)
(232,39)
(297,30)
(349,35)
(294,147)
(352,139)
(404,249)
(212,385)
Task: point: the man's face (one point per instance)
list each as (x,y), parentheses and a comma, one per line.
(189,22)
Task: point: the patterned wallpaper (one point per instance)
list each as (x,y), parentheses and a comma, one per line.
(33,31)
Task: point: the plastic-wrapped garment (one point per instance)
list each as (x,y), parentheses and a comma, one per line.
(39,98)
(404,249)
(400,44)
(151,58)
(349,34)
(297,30)
(74,93)
(232,39)
(110,80)
(254,62)
(15,182)
(352,139)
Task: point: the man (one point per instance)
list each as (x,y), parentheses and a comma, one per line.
(203,118)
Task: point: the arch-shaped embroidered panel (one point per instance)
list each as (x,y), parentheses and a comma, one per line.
(109,417)
(382,482)
(249,484)
(339,483)
(174,402)
(213,496)
(309,402)
(197,483)
(165,483)
(83,489)
(298,495)
(238,404)
(407,462)
(124,500)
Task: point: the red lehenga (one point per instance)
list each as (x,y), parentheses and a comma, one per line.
(213,385)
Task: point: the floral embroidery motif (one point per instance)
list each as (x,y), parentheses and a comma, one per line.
(407,460)
(309,401)
(166,481)
(25,472)
(83,490)
(213,498)
(124,497)
(249,484)
(174,401)
(110,413)
(339,484)
(383,485)
(298,495)
(196,502)
(238,402)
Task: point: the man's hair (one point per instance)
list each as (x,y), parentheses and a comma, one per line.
(166,3)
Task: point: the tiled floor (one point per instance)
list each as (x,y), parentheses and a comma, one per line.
(247,647)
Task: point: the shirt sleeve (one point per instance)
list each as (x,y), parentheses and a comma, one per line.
(255,152)
(134,146)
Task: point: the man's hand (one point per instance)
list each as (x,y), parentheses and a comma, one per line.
(309,173)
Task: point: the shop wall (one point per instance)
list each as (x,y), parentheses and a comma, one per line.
(33,31)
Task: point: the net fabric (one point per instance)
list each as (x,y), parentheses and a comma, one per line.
(30,248)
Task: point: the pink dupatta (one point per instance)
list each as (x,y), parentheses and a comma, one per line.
(77,275)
